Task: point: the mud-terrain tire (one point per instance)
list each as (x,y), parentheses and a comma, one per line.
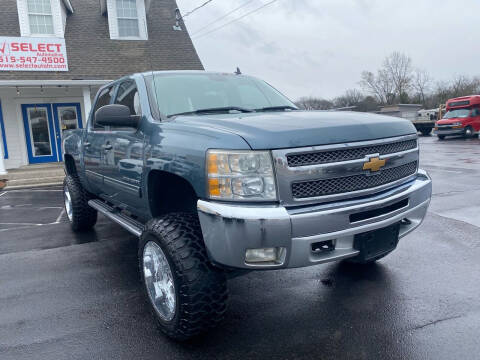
(199,289)
(81,216)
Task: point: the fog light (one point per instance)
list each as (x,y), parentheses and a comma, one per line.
(266,256)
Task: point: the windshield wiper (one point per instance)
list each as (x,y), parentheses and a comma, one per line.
(277,108)
(214,110)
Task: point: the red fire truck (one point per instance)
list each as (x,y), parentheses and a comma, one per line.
(462,117)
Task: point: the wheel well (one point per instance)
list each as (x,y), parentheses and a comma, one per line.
(69,164)
(168,193)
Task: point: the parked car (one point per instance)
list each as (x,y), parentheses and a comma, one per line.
(230,177)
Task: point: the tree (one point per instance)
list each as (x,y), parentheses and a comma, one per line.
(398,69)
(462,85)
(312,103)
(421,83)
(351,97)
(368,104)
(393,80)
(379,86)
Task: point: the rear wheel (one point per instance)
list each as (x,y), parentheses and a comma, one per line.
(426,131)
(80,215)
(187,294)
(441,137)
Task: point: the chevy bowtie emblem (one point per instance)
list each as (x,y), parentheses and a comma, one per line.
(374,164)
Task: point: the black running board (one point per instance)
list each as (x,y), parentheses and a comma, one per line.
(131,225)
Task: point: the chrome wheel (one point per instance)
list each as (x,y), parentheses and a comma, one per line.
(159,280)
(68,202)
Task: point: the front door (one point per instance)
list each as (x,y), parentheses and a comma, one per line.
(39,133)
(44,131)
(124,165)
(95,155)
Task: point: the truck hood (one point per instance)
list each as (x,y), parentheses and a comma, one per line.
(276,130)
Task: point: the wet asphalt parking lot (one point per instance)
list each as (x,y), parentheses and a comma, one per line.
(70,296)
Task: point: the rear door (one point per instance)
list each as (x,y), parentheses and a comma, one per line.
(94,154)
(124,168)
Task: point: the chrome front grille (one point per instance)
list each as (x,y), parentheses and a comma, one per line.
(324,173)
(331,156)
(307,189)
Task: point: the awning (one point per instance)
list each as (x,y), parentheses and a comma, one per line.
(47,83)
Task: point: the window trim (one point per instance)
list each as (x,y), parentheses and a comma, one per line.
(56,14)
(114,24)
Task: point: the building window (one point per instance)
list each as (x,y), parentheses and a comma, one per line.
(127,19)
(40,17)
(127,16)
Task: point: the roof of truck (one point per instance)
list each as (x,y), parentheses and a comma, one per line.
(463,101)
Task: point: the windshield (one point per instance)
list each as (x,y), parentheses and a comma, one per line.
(184,93)
(457,113)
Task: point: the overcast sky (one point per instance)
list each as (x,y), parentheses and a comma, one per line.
(320,47)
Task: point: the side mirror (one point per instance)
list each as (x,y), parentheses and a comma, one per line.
(116,115)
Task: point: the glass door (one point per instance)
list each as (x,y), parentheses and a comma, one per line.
(67,117)
(39,133)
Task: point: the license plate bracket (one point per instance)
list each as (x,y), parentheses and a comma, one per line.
(375,243)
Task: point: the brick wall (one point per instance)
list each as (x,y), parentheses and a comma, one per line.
(92,55)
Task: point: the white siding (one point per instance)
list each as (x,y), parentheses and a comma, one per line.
(13,130)
(112,19)
(142,20)
(23,17)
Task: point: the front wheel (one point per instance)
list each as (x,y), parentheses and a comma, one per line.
(187,294)
(441,137)
(80,215)
(469,132)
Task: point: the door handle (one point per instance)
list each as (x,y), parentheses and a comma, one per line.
(107,147)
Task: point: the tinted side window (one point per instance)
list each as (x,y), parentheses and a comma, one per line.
(128,95)
(103,99)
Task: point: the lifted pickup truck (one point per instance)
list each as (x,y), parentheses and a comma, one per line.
(220,174)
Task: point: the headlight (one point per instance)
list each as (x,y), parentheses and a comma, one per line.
(240,175)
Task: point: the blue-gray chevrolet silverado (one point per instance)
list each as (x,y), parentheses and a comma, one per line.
(220,174)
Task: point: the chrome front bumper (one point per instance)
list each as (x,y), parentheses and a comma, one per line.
(229,230)
(459,131)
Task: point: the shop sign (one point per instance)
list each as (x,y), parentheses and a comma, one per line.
(33,54)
